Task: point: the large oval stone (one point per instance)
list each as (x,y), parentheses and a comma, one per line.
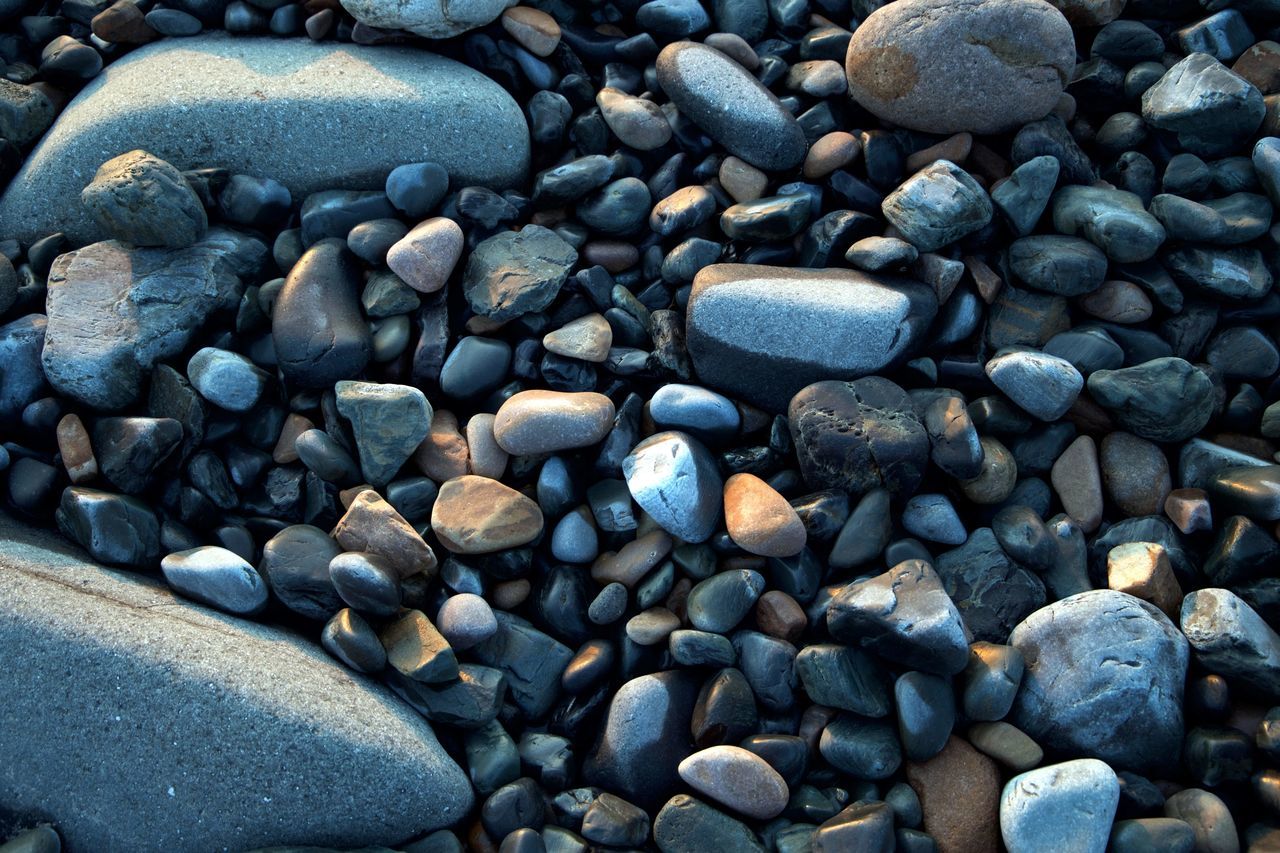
(312,116)
(942,66)
(1104,679)
(209,732)
(762,333)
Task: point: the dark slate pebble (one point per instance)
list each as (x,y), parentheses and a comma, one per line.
(366,583)
(514,806)
(865,749)
(319,333)
(993,593)
(926,713)
(531,661)
(620,207)
(1162,400)
(256,202)
(516,272)
(688,825)
(416,188)
(1066,266)
(333,213)
(115,529)
(295,563)
(954,444)
(843,677)
(130,450)
(773,218)
(348,637)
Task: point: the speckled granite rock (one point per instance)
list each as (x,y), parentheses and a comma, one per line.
(135,720)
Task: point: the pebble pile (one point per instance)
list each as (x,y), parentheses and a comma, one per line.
(858,433)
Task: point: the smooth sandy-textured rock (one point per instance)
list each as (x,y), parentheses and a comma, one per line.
(762,333)
(311,116)
(138,721)
(944,66)
(434,19)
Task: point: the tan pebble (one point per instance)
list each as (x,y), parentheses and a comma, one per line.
(760,520)
(989,284)
(1260,65)
(998,477)
(1189,510)
(954,148)
(371,524)
(587,338)
(443,453)
(633,561)
(76,449)
(294,426)
(832,151)
(486,458)
(1007,744)
(1142,569)
(736,48)
(347,496)
(510,595)
(1118,302)
(535,30)
(542,421)
(477,515)
(426,256)
(742,180)
(1078,482)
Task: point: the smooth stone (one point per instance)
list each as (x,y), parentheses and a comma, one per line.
(1162,400)
(289,696)
(637,122)
(706,415)
(588,338)
(216,577)
(416,650)
(130,450)
(425,257)
(1043,385)
(1233,273)
(1113,220)
(1231,639)
(954,445)
(688,825)
(992,678)
(433,19)
(372,525)
(113,312)
(1211,821)
(934,66)
(926,713)
(1068,806)
(541,421)
(959,792)
(843,677)
(317,329)
(116,530)
(1055,263)
(731,106)
(516,272)
(227,379)
(252,201)
(26,113)
(674,478)
(937,205)
(363,111)
(905,616)
(367,583)
(934,519)
(477,515)
(1078,482)
(720,602)
(1252,491)
(1122,699)
(865,749)
(1153,835)
(1006,744)
(23,379)
(736,778)
(388,423)
(295,564)
(759,520)
(140,199)
(531,662)
(762,333)
(1211,109)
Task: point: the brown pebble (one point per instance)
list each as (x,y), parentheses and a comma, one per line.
(736,48)
(1087,416)
(1078,482)
(1117,302)
(347,496)
(614,255)
(485,457)
(1135,473)
(443,453)
(959,791)
(987,164)
(633,561)
(778,615)
(76,449)
(998,476)
(123,22)
(477,515)
(832,151)
(511,594)
(1189,510)
(760,520)
(1142,569)
(954,148)
(678,599)
(988,282)
(742,180)
(294,426)
(535,30)
(1260,65)
(371,524)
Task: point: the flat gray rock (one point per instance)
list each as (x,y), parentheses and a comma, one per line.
(311,116)
(135,720)
(762,333)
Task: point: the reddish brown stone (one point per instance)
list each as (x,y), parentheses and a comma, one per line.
(959,792)
(122,23)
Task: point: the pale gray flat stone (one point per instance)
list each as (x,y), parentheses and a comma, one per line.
(134,720)
(311,116)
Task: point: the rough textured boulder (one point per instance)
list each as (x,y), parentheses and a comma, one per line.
(135,720)
(311,116)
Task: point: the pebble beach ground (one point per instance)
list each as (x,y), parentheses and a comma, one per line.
(780,425)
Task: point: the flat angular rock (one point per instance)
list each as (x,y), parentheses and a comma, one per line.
(1231,639)
(313,116)
(674,478)
(762,333)
(1210,108)
(389,422)
(292,745)
(1104,678)
(114,311)
(515,272)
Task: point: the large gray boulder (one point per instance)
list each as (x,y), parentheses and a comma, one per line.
(134,720)
(312,116)
(762,333)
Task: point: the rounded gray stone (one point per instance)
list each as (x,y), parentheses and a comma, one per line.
(312,116)
(1066,806)
(176,727)
(674,478)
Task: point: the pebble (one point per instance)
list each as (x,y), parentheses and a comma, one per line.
(1043,385)
(216,577)
(1023,197)
(371,524)
(868,749)
(1078,483)
(1152,834)
(536,31)
(1054,263)
(991,591)
(926,713)
(465,620)
(937,206)
(388,423)
(587,338)
(730,106)
(876,254)
(227,379)
(1142,569)
(1253,491)
(295,564)
(116,530)
(1231,639)
(316,326)
(1210,109)
(719,603)
(688,825)
(738,779)
(140,199)
(992,678)
(366,583)
(486,457)
(933,66)
(673,477)
(741,180)
(1102,686)
(516,272)
(1006,744)
(1068,806)
(477,515)
(540,421)
(1113,220)
(637,122)
(834,150)
(76,450)
(921,627)
(1163,400)
(959,791)
(425,257)
(1189,509)
(759,520)
(130,450)
(652,627)
(416,650)
(428,19)
(416,188)
(1210,820)
(997,475)
(933,519)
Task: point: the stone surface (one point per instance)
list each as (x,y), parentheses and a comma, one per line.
(287,743)
(937,205)
(1104,676)
(1067,807)
(760,520)
(1211,109)
(762,333)
(313,116)
(217,577)
(388,422)
(477,515)
(434,19)
(674,478)
(736,778)
(140,199)
(1231,639)
(981,65)
(1165,399)
(541,421)
(959,792)
(114,310)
